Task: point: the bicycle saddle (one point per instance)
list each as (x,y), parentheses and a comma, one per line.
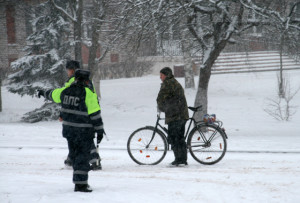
(195,108)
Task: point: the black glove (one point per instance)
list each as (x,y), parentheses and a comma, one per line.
(100,136)
(41,93)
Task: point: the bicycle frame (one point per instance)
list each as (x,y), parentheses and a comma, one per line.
(192,120)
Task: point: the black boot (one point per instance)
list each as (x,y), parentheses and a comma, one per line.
(180,153)
(183,153)
(178,162)
(82,188)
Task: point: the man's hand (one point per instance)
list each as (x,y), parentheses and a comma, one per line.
(158,110)
(100,136)
(41,93)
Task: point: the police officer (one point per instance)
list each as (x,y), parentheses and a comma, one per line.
(81,116)
(172,101)
(71,67)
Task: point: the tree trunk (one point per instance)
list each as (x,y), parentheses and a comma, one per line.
(204,77)
(96,82)
(0,95)
(188,64)
(92,63)
(281,88)
(78,31)
(94,43)
(201,96)
(189,73)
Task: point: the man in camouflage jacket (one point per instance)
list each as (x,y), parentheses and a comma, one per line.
(172,101)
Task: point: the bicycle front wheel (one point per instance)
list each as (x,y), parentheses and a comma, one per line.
(146,146)
(207,144)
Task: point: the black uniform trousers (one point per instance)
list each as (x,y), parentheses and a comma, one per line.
(93,158)
(80,147)
(176,131)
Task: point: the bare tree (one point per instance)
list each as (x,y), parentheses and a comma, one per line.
(211,24)
(97,20)
(282,25)
(280,107)
(74,14)
(99,11)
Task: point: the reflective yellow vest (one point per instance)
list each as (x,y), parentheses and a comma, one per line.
(91,98)
(55,94)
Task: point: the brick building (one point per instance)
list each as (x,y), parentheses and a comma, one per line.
(14,28)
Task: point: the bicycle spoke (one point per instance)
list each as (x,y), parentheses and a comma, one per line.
(144,148)
(207,144)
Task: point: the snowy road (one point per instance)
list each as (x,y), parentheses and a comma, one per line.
(36,175)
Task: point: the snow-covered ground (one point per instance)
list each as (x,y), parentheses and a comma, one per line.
(31,155)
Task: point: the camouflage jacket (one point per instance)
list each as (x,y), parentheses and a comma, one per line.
(172,101)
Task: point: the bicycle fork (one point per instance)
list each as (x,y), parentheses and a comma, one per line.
(154,131)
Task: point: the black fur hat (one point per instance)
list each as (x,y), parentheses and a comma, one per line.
(82,75)
(167,71)
(72,65)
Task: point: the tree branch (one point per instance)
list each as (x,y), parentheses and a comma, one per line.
(103,55)
(64,12)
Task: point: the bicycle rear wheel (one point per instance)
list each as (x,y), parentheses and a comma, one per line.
(146,148)
(207,144)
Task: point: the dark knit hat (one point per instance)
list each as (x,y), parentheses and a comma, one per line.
(82,75)
(72,65)
(167,71)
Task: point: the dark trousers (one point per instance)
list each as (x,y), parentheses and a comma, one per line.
(94,156)
(80,154)
(176,131)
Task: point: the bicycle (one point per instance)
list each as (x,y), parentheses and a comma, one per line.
(206,141)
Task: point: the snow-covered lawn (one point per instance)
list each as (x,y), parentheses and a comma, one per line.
(31,155)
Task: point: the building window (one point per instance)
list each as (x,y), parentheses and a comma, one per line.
(10,24)
(114,58)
